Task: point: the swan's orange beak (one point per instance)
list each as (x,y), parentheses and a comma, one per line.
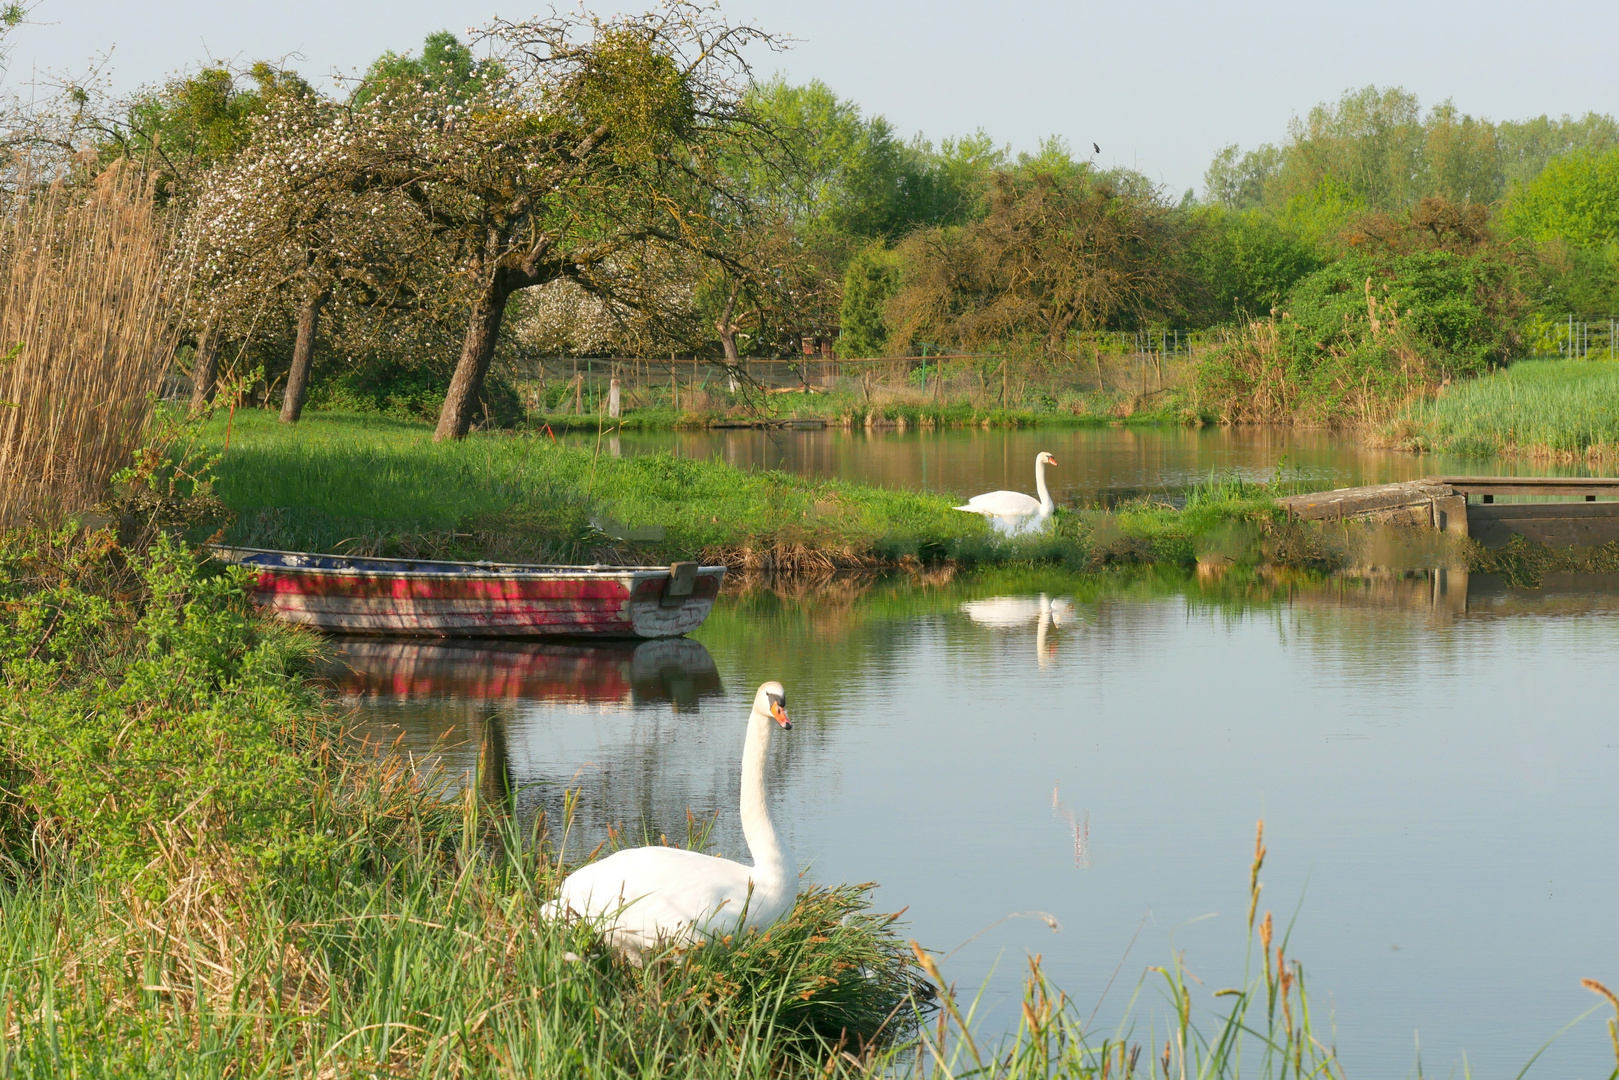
(779,710)
(1051,459)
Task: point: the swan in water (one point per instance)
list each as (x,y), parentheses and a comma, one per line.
(647,895)
(1013,513)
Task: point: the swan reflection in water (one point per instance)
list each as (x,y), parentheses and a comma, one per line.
(1017,612)
(450,702)
(1079,826)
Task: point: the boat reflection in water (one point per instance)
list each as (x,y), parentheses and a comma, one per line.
(676,670)
(471,708)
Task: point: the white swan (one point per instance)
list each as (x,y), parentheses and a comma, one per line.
(647,895)
(1013,513)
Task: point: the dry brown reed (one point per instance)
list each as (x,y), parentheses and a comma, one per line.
(86,330)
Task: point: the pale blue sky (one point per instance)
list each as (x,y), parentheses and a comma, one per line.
(1160,85)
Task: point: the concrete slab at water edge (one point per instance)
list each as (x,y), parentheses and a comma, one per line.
(1423,503)
(1445,503)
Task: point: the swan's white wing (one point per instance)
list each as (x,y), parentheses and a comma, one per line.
(1002,504)
(1003,611)
(649,893)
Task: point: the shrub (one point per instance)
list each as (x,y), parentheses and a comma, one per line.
(1366,335)
(146,710)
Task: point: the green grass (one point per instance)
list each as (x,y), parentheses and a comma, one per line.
(1552,409)
(366,484)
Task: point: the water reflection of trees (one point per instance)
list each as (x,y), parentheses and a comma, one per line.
(827,643)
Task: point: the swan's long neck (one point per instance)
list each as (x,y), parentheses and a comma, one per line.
(771,859)
(1046,505)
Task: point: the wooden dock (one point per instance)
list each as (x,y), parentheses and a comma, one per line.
(1467,506)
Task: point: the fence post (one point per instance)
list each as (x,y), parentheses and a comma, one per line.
(612,398)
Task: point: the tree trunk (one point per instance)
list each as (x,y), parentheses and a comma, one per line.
(303,355)
(477,350)
(727,332)
(204,369)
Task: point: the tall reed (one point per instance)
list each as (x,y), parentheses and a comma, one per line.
(86,329)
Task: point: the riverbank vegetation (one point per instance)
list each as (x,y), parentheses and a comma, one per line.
(1554,410)
(371,485)
(203,876)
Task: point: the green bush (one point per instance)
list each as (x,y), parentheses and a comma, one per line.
(1247,261)
(1457,309)
(147,712)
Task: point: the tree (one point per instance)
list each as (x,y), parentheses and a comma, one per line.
(290,220)
(1055,253)
(1575,198)
(190,124)
(1527,145)
(1245,262)
(180,130)
(591,139)
(1238,181)
(871,280)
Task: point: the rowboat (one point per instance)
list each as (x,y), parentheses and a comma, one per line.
(432,598)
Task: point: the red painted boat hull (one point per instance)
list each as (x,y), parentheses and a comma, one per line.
(424,598)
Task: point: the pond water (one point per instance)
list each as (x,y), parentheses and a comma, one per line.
(1096,465)
(1435,759)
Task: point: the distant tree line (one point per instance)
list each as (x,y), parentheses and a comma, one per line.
(620,187)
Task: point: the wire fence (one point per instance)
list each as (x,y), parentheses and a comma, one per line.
(1574,339)
(1133,365)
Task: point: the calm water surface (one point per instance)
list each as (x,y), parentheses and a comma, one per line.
(1095,464)
(1435,762)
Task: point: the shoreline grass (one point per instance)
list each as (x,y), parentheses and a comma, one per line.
(1549,410)
(850,411)
(370,485)
(885,395)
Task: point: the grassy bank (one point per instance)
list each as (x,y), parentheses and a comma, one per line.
(199,876)
(367,484)
(1556,410)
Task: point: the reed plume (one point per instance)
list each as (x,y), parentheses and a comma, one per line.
(1613,1025)
(86,331)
